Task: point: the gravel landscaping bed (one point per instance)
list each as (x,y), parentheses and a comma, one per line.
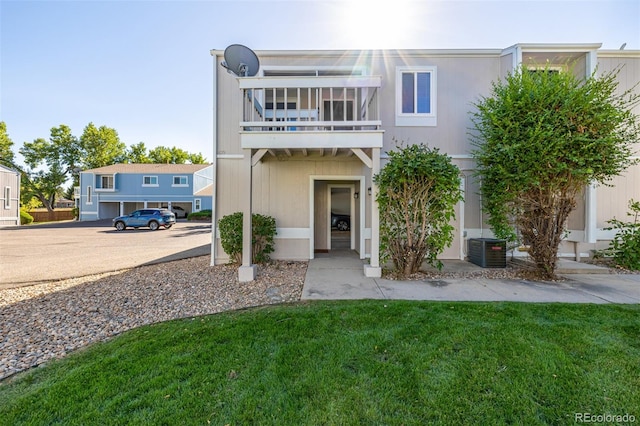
(48,320)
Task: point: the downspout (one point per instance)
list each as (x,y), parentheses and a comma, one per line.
(19,221)
(214,195)
(591,219)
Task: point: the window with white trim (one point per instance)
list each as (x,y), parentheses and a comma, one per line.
(180,181)
(416,96)
(106,182)
(150,181)
(197,205)
(7,197)
(89,195)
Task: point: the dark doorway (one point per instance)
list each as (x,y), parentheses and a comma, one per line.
(341,220)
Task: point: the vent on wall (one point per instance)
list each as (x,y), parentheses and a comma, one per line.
(488,252)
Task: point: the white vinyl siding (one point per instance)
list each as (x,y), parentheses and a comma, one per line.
(416,96)
(150,181)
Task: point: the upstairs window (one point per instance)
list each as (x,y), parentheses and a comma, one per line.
(89,195)
(180,181)
(416,96)
(106,182)
(150,181)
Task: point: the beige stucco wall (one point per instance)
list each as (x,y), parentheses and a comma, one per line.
(281,186)
(613,201)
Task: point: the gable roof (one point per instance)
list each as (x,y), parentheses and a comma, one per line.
(206,191)
(149,168)
(8,170)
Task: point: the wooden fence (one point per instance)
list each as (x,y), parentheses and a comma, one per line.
(54,216)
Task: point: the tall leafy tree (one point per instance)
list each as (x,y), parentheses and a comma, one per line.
(6,152)
(197,158)
(164,155)
(540,138)
(137,154)
(101,147)
(49,165)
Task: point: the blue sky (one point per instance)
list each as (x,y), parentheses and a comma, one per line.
(143,67)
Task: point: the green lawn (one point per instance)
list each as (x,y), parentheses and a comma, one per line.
(356,362)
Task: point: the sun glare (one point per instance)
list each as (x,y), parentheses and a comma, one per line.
(377,24)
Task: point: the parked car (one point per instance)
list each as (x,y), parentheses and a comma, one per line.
(179,212)
(340,221)
(153,218)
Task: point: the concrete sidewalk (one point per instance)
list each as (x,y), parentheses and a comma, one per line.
(339,275)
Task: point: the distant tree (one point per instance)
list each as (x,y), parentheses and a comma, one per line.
(197,159)
(137,154)
(164,155)
(49,165)
(540,138)
(6,153)
(101,147)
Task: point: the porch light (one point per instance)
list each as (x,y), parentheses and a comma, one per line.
(369,190)
(356,195)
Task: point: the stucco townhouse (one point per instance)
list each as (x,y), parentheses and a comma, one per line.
(312,124)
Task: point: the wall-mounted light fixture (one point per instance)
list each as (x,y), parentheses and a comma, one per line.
(356,195)
(369,190)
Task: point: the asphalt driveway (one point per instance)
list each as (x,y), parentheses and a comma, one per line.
(62,250)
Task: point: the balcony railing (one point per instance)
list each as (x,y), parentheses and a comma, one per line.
(311,104)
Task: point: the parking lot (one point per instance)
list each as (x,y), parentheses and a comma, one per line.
(62,250)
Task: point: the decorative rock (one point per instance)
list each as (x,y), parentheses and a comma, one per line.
(45,321)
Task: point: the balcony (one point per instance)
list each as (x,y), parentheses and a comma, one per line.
(327,112)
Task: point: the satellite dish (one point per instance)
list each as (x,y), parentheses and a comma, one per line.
(241,61)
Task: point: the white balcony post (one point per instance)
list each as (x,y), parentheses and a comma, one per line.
(246,272)
(374,269)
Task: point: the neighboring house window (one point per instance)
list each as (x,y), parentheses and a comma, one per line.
(7,197)
(416,96)
(180,181)
(89,195)
(107,182)
(150,181)
(197,205)
(551,70)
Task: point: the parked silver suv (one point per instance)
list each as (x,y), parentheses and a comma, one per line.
(153,218)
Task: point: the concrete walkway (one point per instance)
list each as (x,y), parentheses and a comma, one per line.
(339,275)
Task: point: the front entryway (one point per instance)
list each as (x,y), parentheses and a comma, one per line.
(337,214)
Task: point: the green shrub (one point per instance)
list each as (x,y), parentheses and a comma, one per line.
(201,215)
(263,230)
(25,217)
(419,189)
(625,247)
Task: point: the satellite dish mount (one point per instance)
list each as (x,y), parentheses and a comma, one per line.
(241,61)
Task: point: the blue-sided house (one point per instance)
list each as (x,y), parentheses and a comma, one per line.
(110,191)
